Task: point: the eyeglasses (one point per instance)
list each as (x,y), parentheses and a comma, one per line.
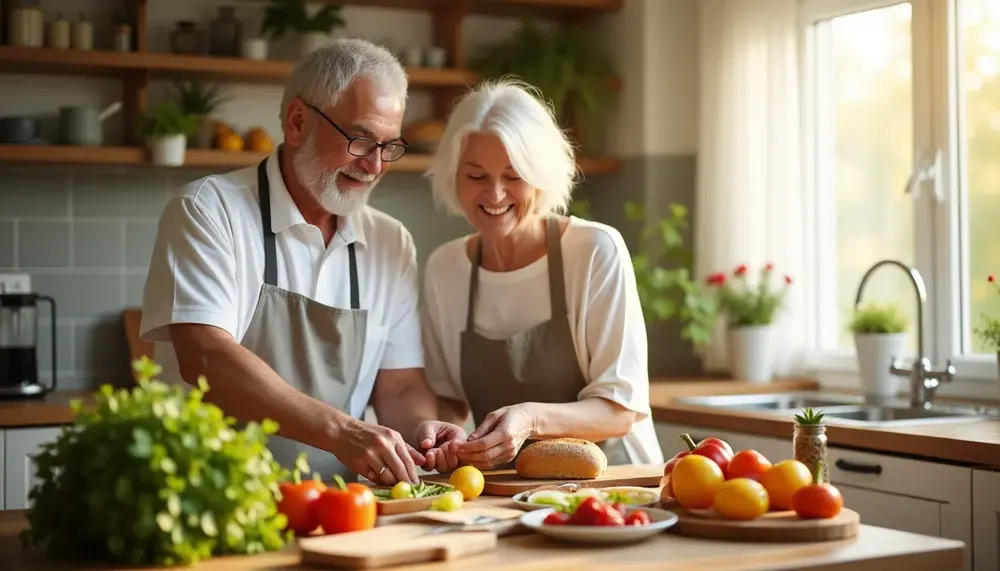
(363,146)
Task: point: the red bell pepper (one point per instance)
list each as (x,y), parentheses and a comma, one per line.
(714,449)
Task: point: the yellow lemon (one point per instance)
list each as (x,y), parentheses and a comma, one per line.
(469,481)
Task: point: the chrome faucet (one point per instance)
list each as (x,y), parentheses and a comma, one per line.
(924,380)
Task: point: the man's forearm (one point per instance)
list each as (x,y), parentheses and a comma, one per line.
(246,388)
(402,400)
(593,419)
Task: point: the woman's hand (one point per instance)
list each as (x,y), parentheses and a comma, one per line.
(439,441)
(498,438)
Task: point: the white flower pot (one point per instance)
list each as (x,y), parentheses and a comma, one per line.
(312,41)
(876,352)
(168,151)
(751,356)
(255,49)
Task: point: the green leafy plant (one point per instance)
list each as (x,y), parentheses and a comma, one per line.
(197,98)
(745,304)
(166,119)
(878,318)
(156,476)
(567,65)
(663,272)
(990,330)
(808,416)
(282,16)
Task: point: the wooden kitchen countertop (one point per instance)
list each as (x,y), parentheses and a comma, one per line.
(874,549)
(975,442)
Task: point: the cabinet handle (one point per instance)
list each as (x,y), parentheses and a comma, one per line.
(859,468)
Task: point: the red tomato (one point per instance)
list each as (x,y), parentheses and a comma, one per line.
(817,501)
(610,516)
(556,518)
(712,448)
(638,517)
(587,513)
(747,464)
(347,507)
(297,504)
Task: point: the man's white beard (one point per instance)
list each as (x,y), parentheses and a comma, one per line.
(323,184)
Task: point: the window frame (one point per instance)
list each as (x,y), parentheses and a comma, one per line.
(940,235)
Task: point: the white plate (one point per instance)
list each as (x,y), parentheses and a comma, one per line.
(521,499)
(598,534)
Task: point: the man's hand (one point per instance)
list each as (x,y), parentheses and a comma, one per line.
(376,452)
(498,438)
(439,440)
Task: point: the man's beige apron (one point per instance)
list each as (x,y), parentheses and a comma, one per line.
(535,365)
(315,348)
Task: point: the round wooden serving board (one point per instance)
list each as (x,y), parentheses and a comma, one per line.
(783,526)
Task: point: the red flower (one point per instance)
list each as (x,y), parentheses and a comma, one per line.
(716,279)
(769,267)
(788,280)
(741,270)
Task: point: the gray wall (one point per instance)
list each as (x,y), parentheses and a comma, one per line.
(85,235)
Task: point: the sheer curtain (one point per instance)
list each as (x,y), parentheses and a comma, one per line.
(749,201)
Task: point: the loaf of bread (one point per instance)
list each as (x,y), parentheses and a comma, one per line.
(562,459)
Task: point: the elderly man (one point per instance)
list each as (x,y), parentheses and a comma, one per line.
(295,299)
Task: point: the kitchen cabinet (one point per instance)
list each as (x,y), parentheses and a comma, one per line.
(922,497)
(986,520)
(21,445)
(2,457)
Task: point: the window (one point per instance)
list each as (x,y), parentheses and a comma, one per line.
(902,125)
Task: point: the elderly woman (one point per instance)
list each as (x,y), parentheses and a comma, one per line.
(533,322)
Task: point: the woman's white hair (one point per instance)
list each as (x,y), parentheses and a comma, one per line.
(323,75)
(538,149)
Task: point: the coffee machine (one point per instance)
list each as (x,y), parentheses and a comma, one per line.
(19,345)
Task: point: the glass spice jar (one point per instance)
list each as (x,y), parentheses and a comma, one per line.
(810,448)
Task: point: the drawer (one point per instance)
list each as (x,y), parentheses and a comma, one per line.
(902,476)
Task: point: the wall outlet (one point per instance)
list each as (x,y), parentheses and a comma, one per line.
(15,283)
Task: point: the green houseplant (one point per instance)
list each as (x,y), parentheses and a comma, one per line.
(314,23)
(568,65)
(879,331)
(200,100)
(989,332)
(166,129)
(750,311)
(663,272)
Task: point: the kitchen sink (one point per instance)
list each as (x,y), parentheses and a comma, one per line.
(846,410)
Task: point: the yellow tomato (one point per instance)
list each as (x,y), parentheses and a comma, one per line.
(468,480)
(742,499)
(695,479)
(402,490)
(782,481)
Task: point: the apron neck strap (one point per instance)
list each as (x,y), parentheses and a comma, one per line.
(270,248)
(557,282)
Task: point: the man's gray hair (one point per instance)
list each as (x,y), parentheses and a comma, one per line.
(323,75)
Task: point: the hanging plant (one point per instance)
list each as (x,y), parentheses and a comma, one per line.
(282,16)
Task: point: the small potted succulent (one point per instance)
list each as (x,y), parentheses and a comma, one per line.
(750,312)
(879,338)
(200,100)
(989,332)
(166,129)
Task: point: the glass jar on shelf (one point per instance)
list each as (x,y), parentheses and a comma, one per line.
(186,39)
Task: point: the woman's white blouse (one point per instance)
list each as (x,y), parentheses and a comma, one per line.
(605,318)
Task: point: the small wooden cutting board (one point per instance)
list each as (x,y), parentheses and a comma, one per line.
(509,519)
(783,526)
(508,483)
(400,544)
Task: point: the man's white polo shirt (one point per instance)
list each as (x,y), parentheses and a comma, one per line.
(208,267)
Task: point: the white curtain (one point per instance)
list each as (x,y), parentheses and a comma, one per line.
(748,206)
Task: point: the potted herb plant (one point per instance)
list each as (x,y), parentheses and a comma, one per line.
(315,23)
(750,313)
(989,333)
(662,268)
(166,129)
(568,65)
(201,101)
(879,337)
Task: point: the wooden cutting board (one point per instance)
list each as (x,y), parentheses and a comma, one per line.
(399,544)
(509,519)
(783,526)
(508,483)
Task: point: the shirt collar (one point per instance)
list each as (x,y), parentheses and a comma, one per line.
(285,214)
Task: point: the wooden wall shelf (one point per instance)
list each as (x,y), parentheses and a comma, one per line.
(118,64)
(210,158)
(558,9)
